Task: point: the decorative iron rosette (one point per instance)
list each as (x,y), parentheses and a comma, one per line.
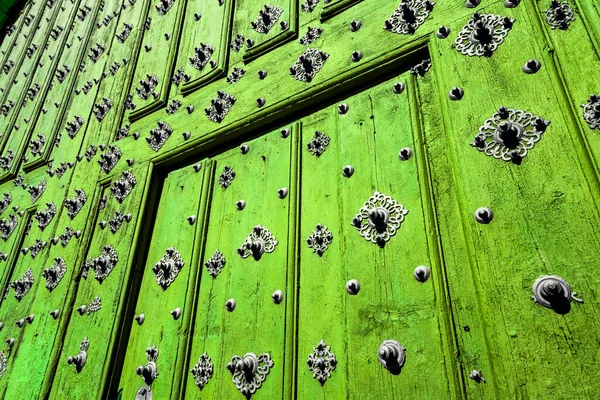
(102,265)
(267,18)
(35,191)
(318,144)
(559,15)
(319,239)
(215,264)
(202,371)
(321,362)
(75,204)
(23,284)
(45,216)
(220,106)
(55,273)
(408,16)
(168,267)
(2,363)
(258,242)
(123,186)
(37,247)
(226,177)
(95,305)
(7,226)
(202,54)
(482,35)
(591,112)
(249,372)
(509,134)
(308,64)
(380,218)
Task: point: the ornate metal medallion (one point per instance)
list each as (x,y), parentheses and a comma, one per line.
(379,219)
(36,248)
(80,359)
(6,161)
(311,35)
(75,204)
(23,284)
(55,273)
(318,144)
(2,363)
(147,86)
(552,291)
(421,68)
(319,239)
(45,216)
(95,305)
(321,362)
(149,372)
(100,110)
(109,159)
(215,264)
(35,191)
(66,236)
(118,219)
(36,146)
(483,34)
(409,15)
(122,187)
(235,75)
(7,226)
(168,267)
(309,5)
(124,34)
(159,135)
(509,134)
(226,177)
(102,265)
(220,106)
(74,126)
(237,43)
(5,201)
(258,242)
(173,107)
(591,112)
(559,15)
(267,18)
(308,64)
(249,372)
(180,76)
(164,6)
(202,371)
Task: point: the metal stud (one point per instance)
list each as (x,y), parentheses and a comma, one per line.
(262,74)
(348,171)
(484,215)
(176,313)
(197,167)
(353,287)
(405,154)
(442,32)
(511,3)
(398,87)
(282,193)
(191,219)
(343,108)
(230,305)
(357,56)
(189,108)
(284,25)
(355,26)
(422,273)
(456,93)
(82,309)
(244,149)
(285,133)
(240,204)
(532,66)
(20,322)
(140,318)
(472,3)
(197,17)
(392,355)
(30,318)
(10,342)
(130,161)
(277,296)
(260,102)
(55,313)
(186,135)
(476,376)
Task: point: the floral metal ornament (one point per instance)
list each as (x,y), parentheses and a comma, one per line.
(5,201)
(173,107)
(308,64)
(321,362)
(80,359)
(123,186)
(102,265)
(74,126)
(235,75)
(509,134)
(258,242)
(101,109)
(482,35)
(202,371)
(35,191)
(36,146)
(36,248)
(559,15)
(237,43)
(23,284)
(2,363)
(66,236)
(159,135)
(180,76)
(115,222)
(311,35)
(75,204)
(164,6)
(379,219)
(55,273)
(249,372)
(309,5)
(7,226)
(215,264)
(6,161)
(226,177)
(267,18)
(168,267)
(319,239)
(220,106)
(318,144)
(408,16)
(147,86)
(591,112)
(109,159)
(95,305)
(202,54)
(149,372)
(45,216)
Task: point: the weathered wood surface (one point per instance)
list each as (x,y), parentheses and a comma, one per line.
(474,313)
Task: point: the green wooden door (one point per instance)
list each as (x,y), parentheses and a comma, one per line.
(301,200)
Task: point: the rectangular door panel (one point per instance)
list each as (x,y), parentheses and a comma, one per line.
(335,7)
(247,259)
(106,274)
(152,79)
(8,48)
(512,147)
(158,336)
(371,283)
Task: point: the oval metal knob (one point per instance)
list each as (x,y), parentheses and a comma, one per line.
(257,247)
(282,193)
(353,287)
(10,342)
(348,171)
(230,305)
(552,291)
(55,313)
(398,87)
(442,32)
(405,154)
(532,66)
(192,219)
(140,318)
(240,204)
(476,376)
(176,313)
(456,93)
(378,218)
(244,149)
(82,309)
(79,360)
(30,318)
(392,355)
(277,296)
(484,215)
(422,273)
(20,322)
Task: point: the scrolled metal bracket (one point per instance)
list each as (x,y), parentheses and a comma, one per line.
(250,371)
(559,15)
